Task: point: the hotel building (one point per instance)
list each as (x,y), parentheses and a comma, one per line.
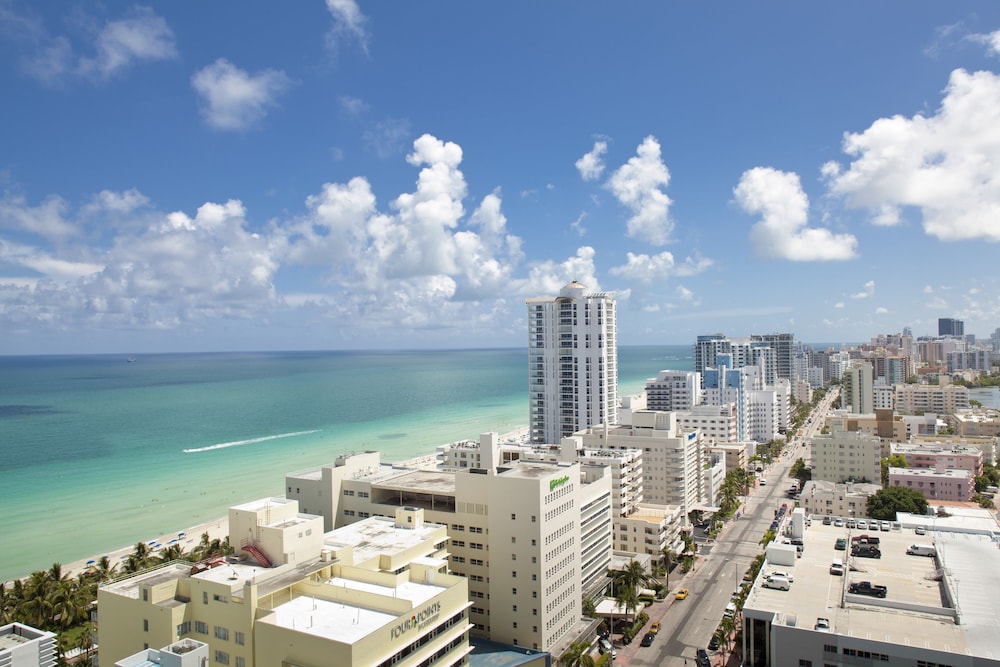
(24,646)
(939,399)
(530,537)
(377,593)
(848,500)
(572,362)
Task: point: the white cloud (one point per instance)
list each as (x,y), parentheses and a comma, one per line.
(868,291)
(548,277)
(117,202)
(591,166)
(353,105)
(881,310)
(839,304)
(685,294)
(112,49)
(991,41)
(232,98)
(144,36)
(637,185)
(46,220)
(942,164)
(577,225)
(782,232)
(348,23)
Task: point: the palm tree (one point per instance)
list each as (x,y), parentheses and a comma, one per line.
(577,655)
(172,552)
(103,569)
(724,633)
(669,556)
(633,575)
(627,597)
(140,558)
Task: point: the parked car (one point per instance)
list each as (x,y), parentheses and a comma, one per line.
(922,550)
(713,643)
(920,530)
(822,624)
(777,583)
(655,627)
(647,639)
(681,594)
(703,660)
(838,522)
(867,588)
(827,520)
(862,524)
(778,573)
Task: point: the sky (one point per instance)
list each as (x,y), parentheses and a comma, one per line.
(366,175)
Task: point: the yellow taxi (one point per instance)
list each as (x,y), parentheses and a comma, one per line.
(681,594)
(654,628)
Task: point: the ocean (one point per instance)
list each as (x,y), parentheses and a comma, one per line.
(101,452)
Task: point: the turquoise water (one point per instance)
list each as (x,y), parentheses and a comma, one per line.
(100,453)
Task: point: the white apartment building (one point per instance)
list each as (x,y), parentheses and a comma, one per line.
(846,456)
(671,457)
(673,391)
(572,362)
(715,423)
(850,500)
(651,530)
(182,653)
(802,391)
(726,384)
(24,646)
(530,537)
(770,410)
(857,388)
(939,399)
(884,396)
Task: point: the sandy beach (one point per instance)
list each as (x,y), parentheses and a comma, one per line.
(187,539)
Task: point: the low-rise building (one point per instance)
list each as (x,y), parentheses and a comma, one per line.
(977,422)
(938,483)
(375,593)
(937,610)
(822,498)
(936,454)
(182,653)
(24,646)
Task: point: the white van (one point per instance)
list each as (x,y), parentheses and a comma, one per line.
(730,610)
(777,583)
(922,550)
(837,567)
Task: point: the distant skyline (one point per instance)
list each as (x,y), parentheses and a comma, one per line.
(342,175)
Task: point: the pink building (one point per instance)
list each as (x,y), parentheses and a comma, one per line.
(935,455)
(936,484)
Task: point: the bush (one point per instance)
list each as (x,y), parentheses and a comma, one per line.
(630,631)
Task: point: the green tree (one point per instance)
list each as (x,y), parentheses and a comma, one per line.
(628,598)
(577,655)
(894,461)
(800,472)
(982,481)
(724,633)
(884,504)
(633,575)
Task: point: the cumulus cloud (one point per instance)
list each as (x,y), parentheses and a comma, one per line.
(881,310)
(234,99)
(99,56)
(348,24)
(868,291)
(684,294)
(637,185)
(548,277)
(991,41)
(649,268)
(353,105)
(47,220)
(591,165)
(944,164)
(782,232)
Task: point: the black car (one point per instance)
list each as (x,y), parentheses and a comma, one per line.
(713,643)
(647,639)
(703,660)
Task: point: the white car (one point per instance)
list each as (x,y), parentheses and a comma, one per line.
(784,575)
(862,524)
(920,530)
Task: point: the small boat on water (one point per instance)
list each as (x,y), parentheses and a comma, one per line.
(131,360)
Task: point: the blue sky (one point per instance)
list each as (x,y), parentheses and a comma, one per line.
(313,175)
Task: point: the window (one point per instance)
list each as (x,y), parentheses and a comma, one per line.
(201,627)
(145,625)
(204,597)
(222,657)
(513,517)
(513,591)
(241,661)
(221,633)
(184,628)
(239,639)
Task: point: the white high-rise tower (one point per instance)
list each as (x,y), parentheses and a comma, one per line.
(572,362)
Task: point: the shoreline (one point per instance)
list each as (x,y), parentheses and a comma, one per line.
(189,538)
(216,529)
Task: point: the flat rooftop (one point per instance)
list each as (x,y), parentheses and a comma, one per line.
(420,481)
(343,622)
(377,536)
(948,603)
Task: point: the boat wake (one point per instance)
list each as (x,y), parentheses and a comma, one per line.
(251,441)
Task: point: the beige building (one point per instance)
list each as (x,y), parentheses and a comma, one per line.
(650,530)
(845,456)
(377,593)
(850,500)
(936,484)
(672,457)
(530,537)
(714,423)
(942,399)
(977,422)
(734,454)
